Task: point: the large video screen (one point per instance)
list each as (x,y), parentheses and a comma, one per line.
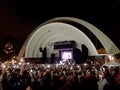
(66,54)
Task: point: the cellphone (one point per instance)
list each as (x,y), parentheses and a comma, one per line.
(18,83)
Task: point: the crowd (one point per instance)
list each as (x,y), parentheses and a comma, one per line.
(59,77)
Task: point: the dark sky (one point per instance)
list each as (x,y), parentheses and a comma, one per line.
(20,17)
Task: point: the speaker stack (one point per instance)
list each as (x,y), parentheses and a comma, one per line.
(77,55)
(52,58)
(84,52)
(44,56)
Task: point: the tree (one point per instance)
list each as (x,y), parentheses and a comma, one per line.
(10,47)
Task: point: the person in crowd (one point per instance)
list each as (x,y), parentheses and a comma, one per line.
(59,77)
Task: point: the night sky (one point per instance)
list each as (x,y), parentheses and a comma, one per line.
(20,17)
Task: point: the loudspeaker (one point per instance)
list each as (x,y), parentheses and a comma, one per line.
(77,55)
(44,56)
(84,52)
(64,44)
(52,58)
(40,49)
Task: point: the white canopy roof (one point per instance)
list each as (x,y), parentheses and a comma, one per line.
(111,63)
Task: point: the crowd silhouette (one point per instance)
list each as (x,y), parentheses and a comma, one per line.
(59,77)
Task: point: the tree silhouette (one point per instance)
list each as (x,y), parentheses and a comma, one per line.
(10,47)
